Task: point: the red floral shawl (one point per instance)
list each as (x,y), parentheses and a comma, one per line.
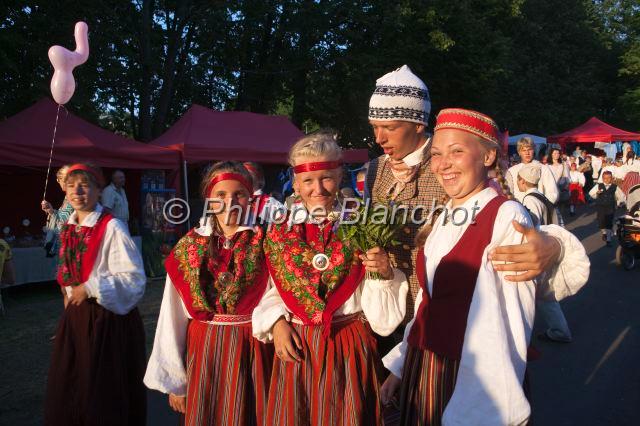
(79,246)
(196,275)
(312,295)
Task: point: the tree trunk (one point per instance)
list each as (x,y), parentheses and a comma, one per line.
(145,63)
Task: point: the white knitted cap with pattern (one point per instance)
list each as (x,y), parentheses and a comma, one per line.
(531,173)
(400,95)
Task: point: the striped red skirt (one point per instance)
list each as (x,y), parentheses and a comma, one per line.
(428,381)
(335,383)
(577,193)
(228,373)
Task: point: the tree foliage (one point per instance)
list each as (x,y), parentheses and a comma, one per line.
(538,66)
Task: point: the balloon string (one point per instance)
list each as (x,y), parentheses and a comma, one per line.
(53,141)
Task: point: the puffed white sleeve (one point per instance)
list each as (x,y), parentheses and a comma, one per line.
(118,279)
(166,371)
(593,193)
(384,302)
(394,360)
(571,272)
(267,313)
(581,179)
(620,198)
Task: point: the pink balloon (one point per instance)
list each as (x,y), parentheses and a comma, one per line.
(64,61)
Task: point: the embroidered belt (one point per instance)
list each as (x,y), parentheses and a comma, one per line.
(335,320)
(224,319)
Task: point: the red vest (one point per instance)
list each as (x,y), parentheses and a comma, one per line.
(441,320)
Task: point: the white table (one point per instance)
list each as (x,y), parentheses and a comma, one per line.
(32,266)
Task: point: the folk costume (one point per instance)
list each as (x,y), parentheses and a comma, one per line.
(98,357)
(317,282)
(576,185)
(607,199)
(463,357)
(401,95)
(203,347)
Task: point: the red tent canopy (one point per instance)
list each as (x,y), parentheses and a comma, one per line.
(203,134)
(593,130)
(25,140)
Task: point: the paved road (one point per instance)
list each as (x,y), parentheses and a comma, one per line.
(596,379)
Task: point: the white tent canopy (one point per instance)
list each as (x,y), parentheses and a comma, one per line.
(537,140)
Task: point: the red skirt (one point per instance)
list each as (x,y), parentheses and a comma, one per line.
(97,365)
(428,381)
(228,373)
(335,383)
(577,193)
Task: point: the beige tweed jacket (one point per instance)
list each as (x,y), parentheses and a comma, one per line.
(424,191)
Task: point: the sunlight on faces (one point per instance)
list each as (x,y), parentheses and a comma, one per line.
(82,193)
(460,162)
(397,138)
(232,194)
(317,189)
(607,178)
(526,154)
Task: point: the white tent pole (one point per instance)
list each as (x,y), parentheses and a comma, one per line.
(186,189)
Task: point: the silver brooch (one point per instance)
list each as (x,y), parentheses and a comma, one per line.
(320,261)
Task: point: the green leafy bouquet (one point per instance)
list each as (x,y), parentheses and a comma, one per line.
(371,226)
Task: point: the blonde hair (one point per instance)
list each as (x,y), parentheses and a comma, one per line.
(318,144)
(524,142)
(425,230)
(62,171)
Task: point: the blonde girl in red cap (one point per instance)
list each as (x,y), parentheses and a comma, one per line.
(204,356)
(98,356)
(320,310)
(463,357)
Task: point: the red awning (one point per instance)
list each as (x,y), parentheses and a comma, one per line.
(25,140)
(593,130)
(204,135)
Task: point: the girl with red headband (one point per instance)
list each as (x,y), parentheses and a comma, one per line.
(464,355)
(319,310)
(98,356)
(204,356)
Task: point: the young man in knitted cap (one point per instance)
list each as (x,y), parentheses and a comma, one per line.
(540,208)
(398,113)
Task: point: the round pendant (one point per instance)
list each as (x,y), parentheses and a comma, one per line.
(320,261)
(227,244)
(225,278)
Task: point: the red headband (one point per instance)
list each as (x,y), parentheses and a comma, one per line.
(230,176)
(468,121)
(83,167)
(313,167)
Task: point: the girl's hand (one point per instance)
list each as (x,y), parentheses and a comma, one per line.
(286,341)
(389,389)
(377,260)
(46,207)
(178,403)
(78,294)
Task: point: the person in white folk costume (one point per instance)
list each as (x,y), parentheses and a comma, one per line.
(464,355)
(98,357)
(320,309)
(577,181)
(204,355)
(541,210)
(547,184)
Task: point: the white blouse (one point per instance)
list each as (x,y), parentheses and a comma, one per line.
(383,302)
(488,387)
(166,370)
(577,177)
(117,280)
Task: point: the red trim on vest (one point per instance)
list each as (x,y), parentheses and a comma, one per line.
(69,239)
(441,320)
